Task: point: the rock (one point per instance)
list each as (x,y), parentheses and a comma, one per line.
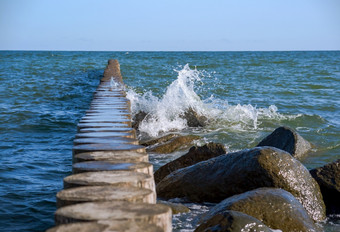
(328,178)
(232,221)
(114,178)
(196,154)
(194,119)
(288,140)
(118,156)
(160,140)
(226,175)
(137,119)
(104,193)
(175,207)
(97,166)
(173,144)
(276,208)
(154,214)
(110,225)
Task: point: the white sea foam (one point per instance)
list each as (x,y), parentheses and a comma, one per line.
(164,113)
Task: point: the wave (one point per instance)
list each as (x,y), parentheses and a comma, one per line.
(165,113)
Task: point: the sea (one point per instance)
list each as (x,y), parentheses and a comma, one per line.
(244,96)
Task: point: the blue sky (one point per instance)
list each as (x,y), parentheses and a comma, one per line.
(170,25)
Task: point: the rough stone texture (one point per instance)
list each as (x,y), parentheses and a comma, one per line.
(95,166)
(102,124)
(157,214)
(276,208)
(112,140)
(194,119)
(137,119)
(106,226)
(176,208)
(163,139)
(114,178)
(117,156)
(288,140)
(328,178)
(105,134)
(232,221)
(104,193)
(173,144)
(196,154)
(112,70)
(226,175)
(93,147)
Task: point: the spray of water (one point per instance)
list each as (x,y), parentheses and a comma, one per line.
(166,112)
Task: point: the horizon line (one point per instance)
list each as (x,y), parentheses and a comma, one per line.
(46,50)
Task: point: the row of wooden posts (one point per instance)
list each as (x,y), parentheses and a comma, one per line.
(112,186)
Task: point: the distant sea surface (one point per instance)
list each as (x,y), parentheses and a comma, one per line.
(245,96)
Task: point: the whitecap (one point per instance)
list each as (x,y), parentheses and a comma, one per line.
(165,113)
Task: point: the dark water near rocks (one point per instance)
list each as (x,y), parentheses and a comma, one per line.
(245,94)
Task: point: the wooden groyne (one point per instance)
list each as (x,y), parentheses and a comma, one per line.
(112,186)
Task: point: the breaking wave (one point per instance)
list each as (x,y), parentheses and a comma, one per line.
(165,113)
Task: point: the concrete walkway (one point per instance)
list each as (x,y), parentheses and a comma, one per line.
(112,187)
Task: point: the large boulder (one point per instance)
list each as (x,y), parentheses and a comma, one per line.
(288,140)
(276,208)
(173,144)
(232,221)
(328,177)
(234,173)
(196,154)
(194,119)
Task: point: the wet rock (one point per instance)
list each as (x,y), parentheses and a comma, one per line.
(196,154)
(137,119)
(173,144)
(276,208)
(160,140)
(232,221)
(109,225)
(194,119)
(226,175)
(288,140)
(328,178)
(175,207)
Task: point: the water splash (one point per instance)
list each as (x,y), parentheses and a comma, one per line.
(115,85)
(165,113)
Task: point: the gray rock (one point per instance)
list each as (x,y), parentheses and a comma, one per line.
(232,221)
(288,140)
(194,119)
(176,208)
(174,144)
(137,119)
(328,177)
(158,141)
(196,154)
(234,173)
(276,208)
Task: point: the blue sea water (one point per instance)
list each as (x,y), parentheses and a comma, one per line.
(245,95)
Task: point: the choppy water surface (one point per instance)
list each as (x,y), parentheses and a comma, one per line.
(245,95)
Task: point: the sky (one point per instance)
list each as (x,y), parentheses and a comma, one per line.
(170,25)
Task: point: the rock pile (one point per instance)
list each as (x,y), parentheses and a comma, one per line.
(265,187)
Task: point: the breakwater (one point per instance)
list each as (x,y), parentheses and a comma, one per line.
(112,185)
